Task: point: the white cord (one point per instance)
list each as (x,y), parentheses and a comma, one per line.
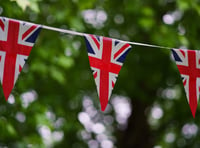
(84,34)
(63,30)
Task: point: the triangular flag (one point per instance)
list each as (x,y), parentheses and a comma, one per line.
(106,57)
(188,63)
(16,41)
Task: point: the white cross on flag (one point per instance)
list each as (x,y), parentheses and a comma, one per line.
(16,41)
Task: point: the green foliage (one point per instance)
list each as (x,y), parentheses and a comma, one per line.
(55,95)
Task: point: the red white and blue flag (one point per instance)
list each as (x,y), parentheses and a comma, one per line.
(16,41)
(188,63)
(106,57)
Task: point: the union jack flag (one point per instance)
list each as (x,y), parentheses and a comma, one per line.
(106,57)
(16,41)
(188,63)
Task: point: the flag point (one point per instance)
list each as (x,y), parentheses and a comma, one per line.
(6,95)
(103,106)
(193,110)
(193,114)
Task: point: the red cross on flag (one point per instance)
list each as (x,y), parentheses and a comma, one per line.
(106,57)
(188,63)
(16,41)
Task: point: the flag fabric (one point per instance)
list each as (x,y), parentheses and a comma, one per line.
(106,57)
(16,41)
(188,64)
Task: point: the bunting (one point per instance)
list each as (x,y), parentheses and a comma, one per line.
(16,41)
(106,57)
(188,64)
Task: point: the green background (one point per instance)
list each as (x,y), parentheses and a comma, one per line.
(54,102)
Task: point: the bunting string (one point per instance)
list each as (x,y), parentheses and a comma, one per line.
(63,30)
(83,34)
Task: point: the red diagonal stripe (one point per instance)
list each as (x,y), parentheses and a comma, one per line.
(28,31)
(95,75)
(2,25)
(20,68)
(113,84)
(95,41)
(183,53)
(121,50)
(184,82)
